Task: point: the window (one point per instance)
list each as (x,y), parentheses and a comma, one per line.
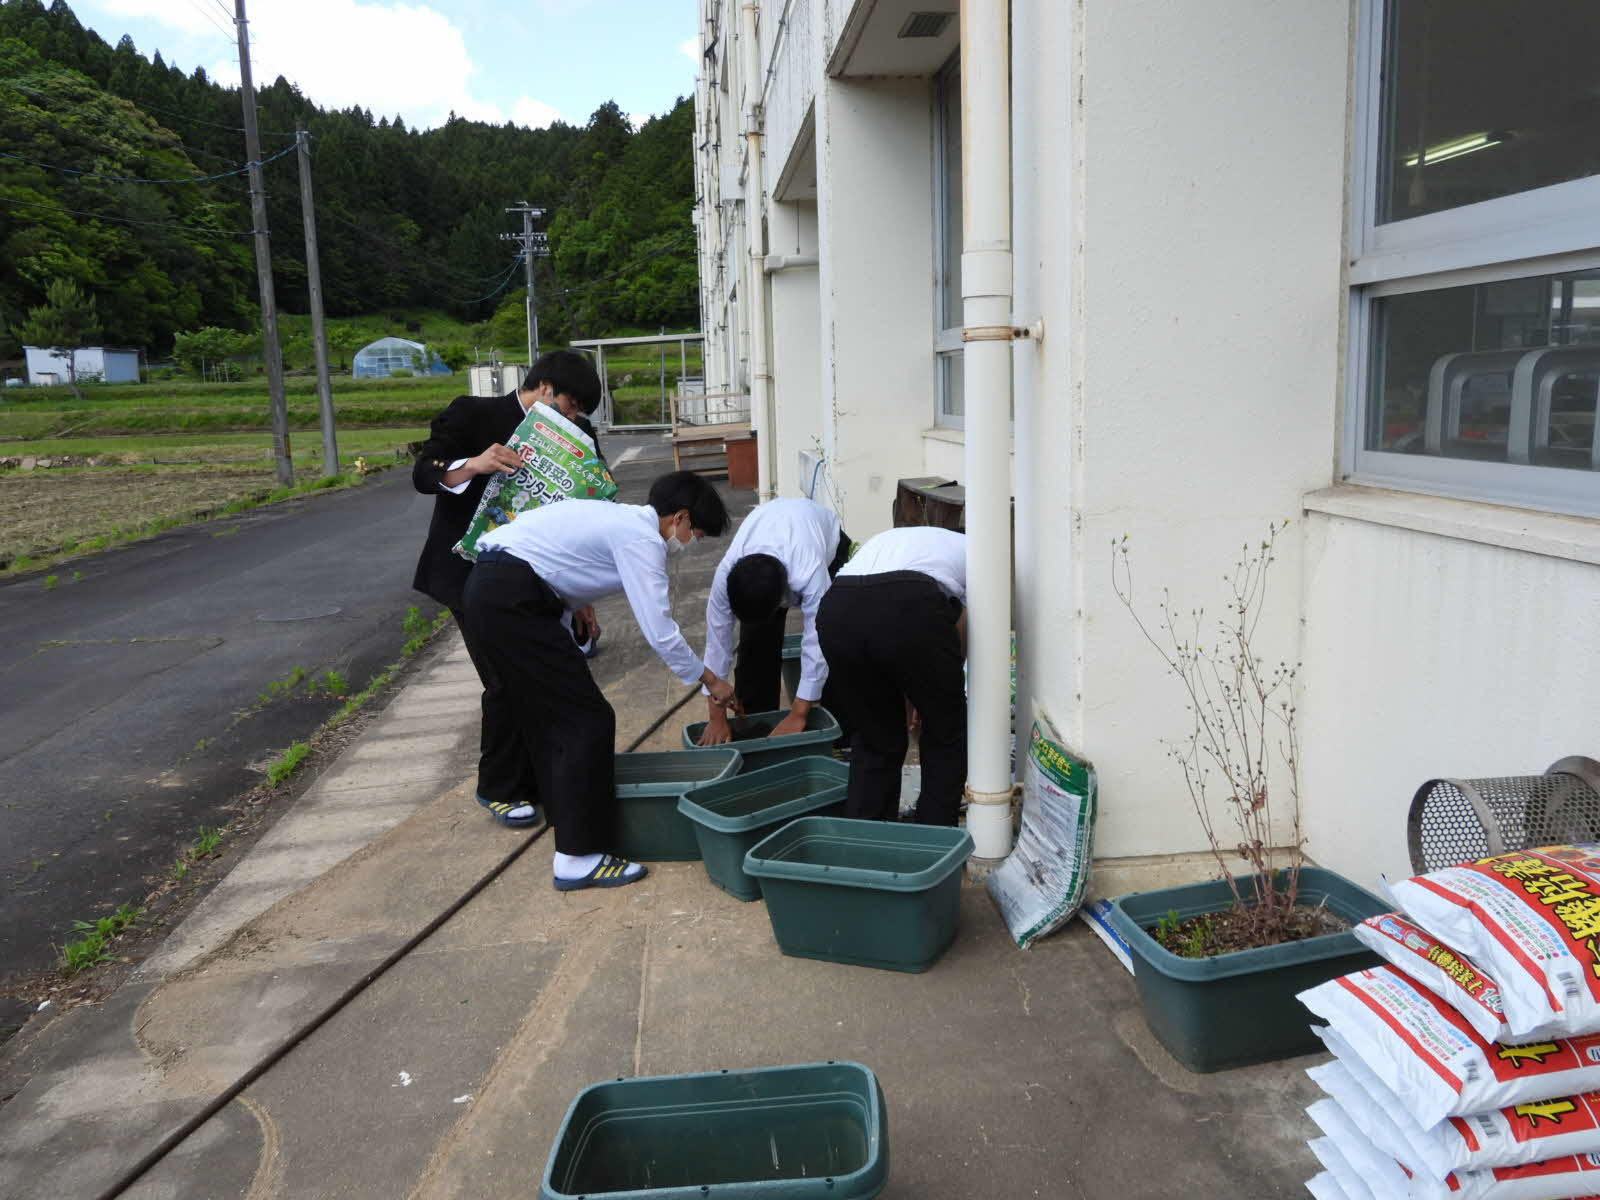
(947,242)
(1475,306)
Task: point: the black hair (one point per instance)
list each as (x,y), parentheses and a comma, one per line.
(756,587)
(569,373)
(678,490)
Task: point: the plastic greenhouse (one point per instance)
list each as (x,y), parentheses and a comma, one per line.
(380,359)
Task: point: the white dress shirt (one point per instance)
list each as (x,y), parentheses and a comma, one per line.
(940,554)
(804,537)
(588,549)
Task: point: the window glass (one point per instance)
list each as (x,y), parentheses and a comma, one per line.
(1485,98)
(1503,372)
(952,405)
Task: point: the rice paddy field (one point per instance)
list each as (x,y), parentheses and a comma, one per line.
(120,461)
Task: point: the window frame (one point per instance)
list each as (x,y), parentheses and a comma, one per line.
(1542,231)
(946,338)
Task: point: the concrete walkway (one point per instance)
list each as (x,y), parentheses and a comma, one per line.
(1006,1073)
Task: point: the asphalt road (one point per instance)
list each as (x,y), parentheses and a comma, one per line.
(129,699)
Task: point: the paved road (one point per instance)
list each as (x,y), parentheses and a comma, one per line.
(129,712)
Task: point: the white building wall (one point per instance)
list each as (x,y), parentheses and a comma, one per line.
(875,235)
(1213,182)
(1431,652)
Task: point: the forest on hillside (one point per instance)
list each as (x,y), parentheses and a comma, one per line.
(100,148)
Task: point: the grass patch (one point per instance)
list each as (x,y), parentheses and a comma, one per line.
(94,947)
(282,687)
(287,763)
(330,685)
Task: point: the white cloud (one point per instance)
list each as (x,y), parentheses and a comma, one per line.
(690,49)
(638,119)
(535,114)
(386,57)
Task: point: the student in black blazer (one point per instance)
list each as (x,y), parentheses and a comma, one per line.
(466,444)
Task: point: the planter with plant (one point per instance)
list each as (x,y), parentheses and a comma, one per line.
(1218,964)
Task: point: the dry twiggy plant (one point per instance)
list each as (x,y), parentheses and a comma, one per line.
(1243,728)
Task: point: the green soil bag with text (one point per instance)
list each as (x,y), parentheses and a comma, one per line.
(1041,883)
(559,462)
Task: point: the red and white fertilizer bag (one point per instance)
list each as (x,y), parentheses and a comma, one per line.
(1571,1178)
(1446,972)
(1323,1186)
(1338,1179)
(1382,1176)
(1531,920)
(1507,1137)
(1433,1061)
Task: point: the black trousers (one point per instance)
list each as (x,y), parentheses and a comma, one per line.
(889,638)
(505,762)
(758,661)
(565,723)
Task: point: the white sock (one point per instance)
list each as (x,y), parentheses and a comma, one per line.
(521,812)
(576,866)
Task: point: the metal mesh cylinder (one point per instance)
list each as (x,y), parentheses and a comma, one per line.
(1457,820)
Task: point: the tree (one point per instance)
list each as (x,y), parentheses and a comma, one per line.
(65,321)
(209,345)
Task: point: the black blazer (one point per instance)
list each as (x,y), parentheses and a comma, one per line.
(469,426)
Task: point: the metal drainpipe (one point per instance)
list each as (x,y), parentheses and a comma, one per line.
(756,235)
(986,348)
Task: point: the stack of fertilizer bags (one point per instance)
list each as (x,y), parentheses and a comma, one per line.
(1467,1067)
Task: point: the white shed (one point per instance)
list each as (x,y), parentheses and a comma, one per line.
(89,364)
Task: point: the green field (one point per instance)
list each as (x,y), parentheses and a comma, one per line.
(165,453)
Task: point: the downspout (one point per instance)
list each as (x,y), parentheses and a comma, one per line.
(986,337)
(756,234)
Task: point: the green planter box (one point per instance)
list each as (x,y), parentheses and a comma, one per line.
(758,750)
(730,817)
(650,828)
(869,893)
(1240,1008)
(789,1133)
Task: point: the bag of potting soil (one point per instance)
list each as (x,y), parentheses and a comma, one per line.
(1385,1178)
(559,462)
(1041,883)
(1531,920)
(1506,1137)
(1367,1169)
(1446,972)
(1432,1060)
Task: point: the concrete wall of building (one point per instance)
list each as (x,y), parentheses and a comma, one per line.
(875,237)
(1213,182)
(796,336)
(1432,652)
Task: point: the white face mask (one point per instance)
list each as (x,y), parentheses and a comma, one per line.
(674,546)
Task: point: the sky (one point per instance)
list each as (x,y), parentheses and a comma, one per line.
(528,61)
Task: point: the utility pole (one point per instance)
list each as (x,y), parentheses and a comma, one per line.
(319,330)
(258,220)
(534,245)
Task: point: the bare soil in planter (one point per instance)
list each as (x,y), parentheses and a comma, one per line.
(1231,930)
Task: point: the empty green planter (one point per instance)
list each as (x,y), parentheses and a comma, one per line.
(650,828)
(758,750)
(731,816)
(817,1130)
(870,893)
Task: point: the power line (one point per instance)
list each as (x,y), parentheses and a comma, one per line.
(78,174)
(78,212)
(411,252)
